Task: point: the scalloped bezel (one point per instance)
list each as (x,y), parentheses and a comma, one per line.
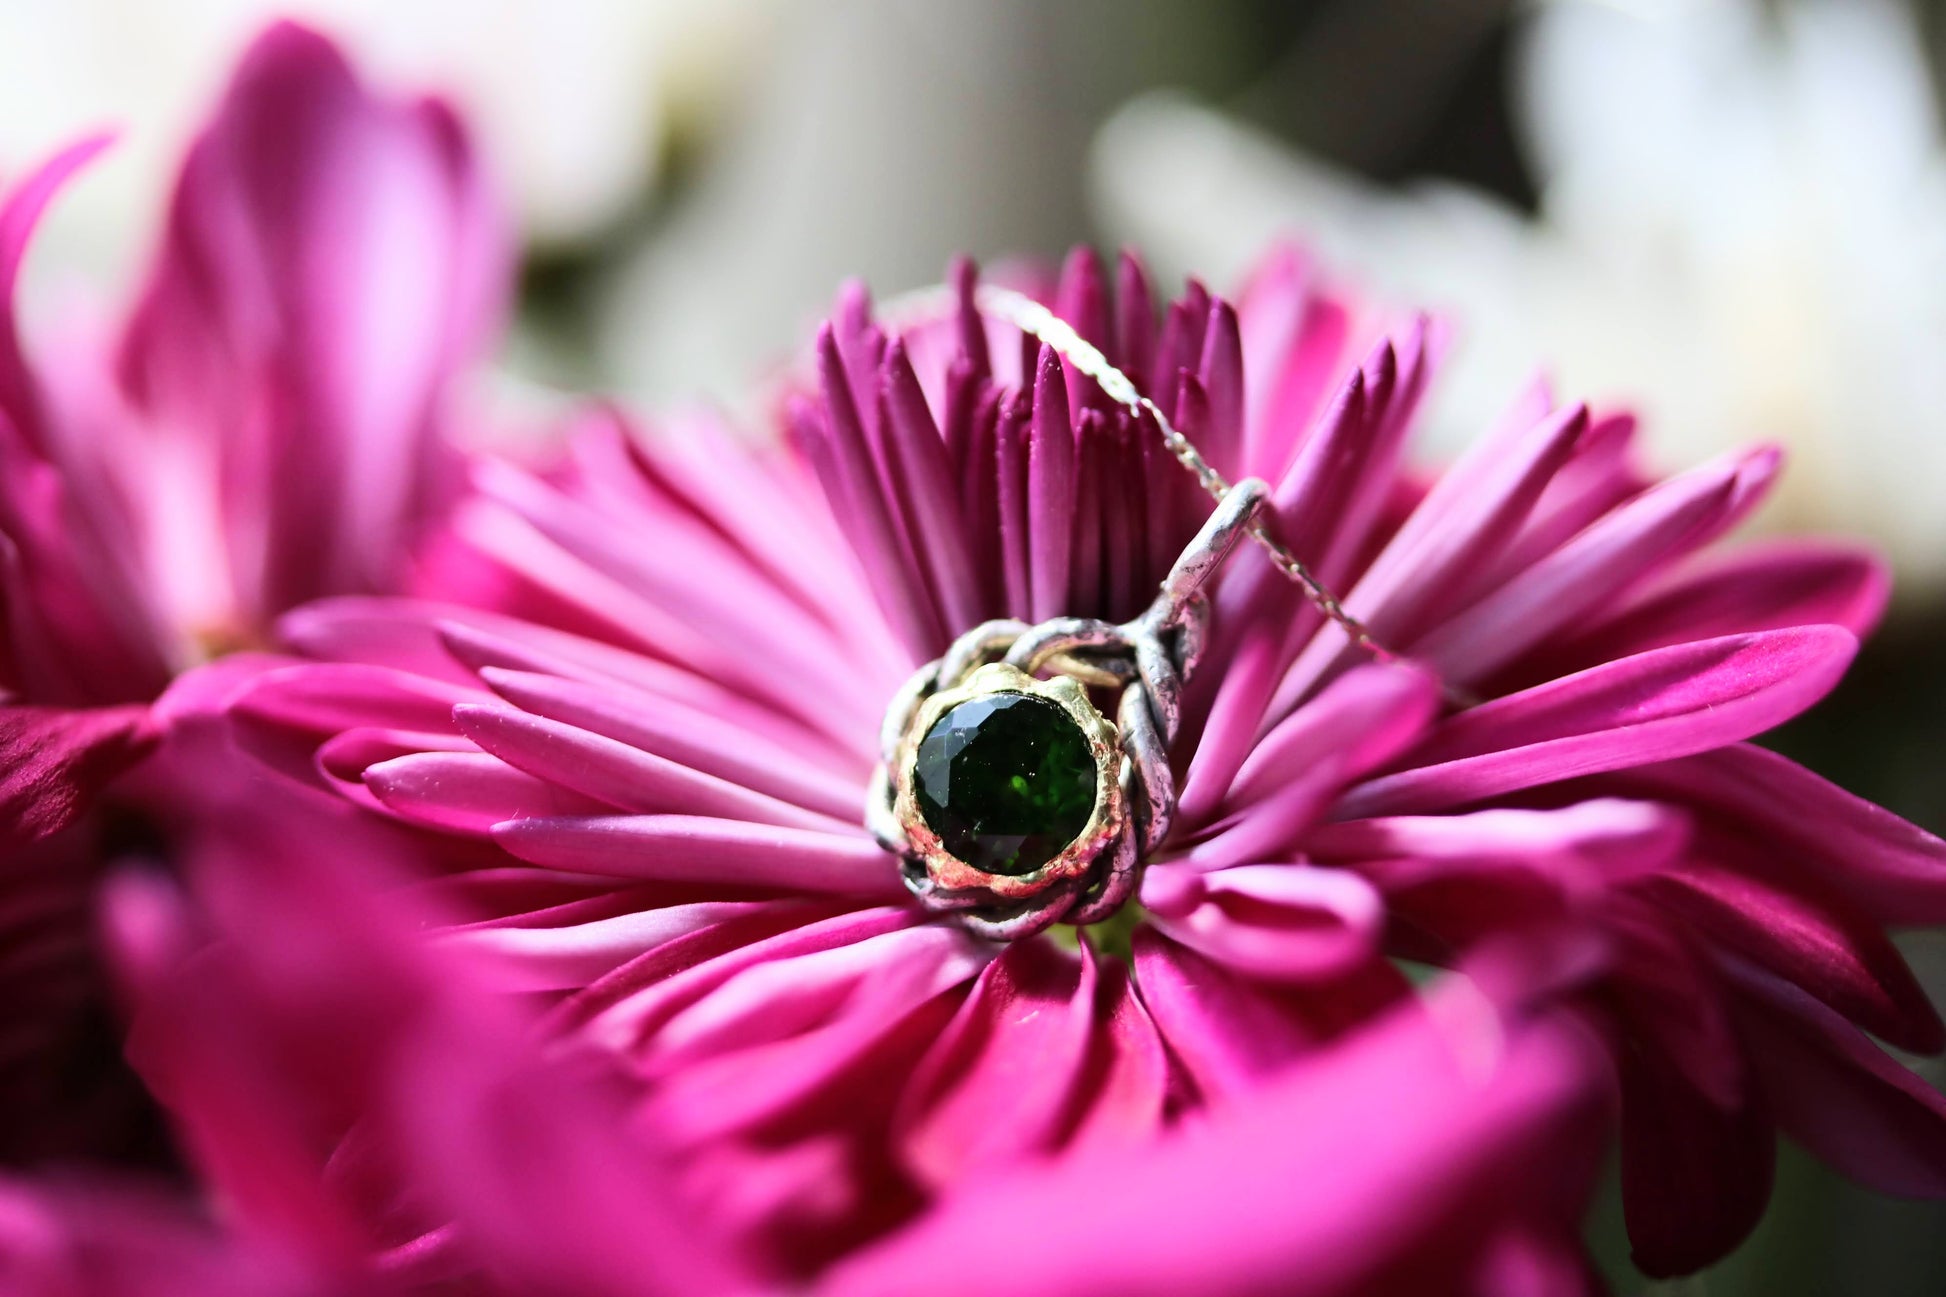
(948,871)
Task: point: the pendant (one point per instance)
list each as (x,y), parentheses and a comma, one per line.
(1013,801)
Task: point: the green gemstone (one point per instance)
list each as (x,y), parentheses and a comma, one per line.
(1007,781)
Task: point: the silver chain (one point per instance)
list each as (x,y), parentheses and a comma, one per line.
(1034,319)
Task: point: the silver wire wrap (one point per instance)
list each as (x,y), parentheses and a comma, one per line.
(1147,661)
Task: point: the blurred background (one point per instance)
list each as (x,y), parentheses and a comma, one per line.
(1729,213)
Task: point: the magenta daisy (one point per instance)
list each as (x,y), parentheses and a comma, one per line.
(645,762)
(269,424)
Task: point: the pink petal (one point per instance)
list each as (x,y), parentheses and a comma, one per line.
(1226,1032)
(215,1065)
(1438,919)
(610,607)
(323,698)
(1666,993)
(779,999)
(1220,369)
(766,500)
(1821,946)
(567,957)
(1395,378)
(54,761)
(807,1191)
(1695,1178)
(205,693)
(463,792)
(995,1086)
(1125,1082)
(697,849)
(19,217)
(1183,323)
(1050,491)
(82,625)
(1894,871)
(348,755)
(1016,516)
(329,262)
(1470,514)
(1281,923)
(980,498)
(624,1011)
(838,445)
(524,646)
(401,634)
(1592,568)
(1524,1261)
(1797,583)
(1310,359)
(507,891)
(1334,474)
(1590,844)
(576,1201)
(1840,1095)
(1653,707)
(1081,296)
(1133,351)
(621,776)
(926,480)
(76,1239)
(676,580)
(1222,1032)
(780,1032)
(1379,1167)
(1363,720)
(1597,478)
(708,742)
(1089,561)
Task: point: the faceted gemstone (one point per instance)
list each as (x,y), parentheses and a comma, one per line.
(1006,781)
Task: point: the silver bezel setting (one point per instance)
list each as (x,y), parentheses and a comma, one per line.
(947,871)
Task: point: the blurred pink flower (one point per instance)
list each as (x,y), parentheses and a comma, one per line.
(269,426)
(644,762)
(332,1075)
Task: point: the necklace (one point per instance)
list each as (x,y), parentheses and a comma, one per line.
(1012,801)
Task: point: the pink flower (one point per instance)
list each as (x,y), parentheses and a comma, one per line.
(269,425)
(643,765)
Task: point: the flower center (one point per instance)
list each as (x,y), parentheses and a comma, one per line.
(1007,781)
